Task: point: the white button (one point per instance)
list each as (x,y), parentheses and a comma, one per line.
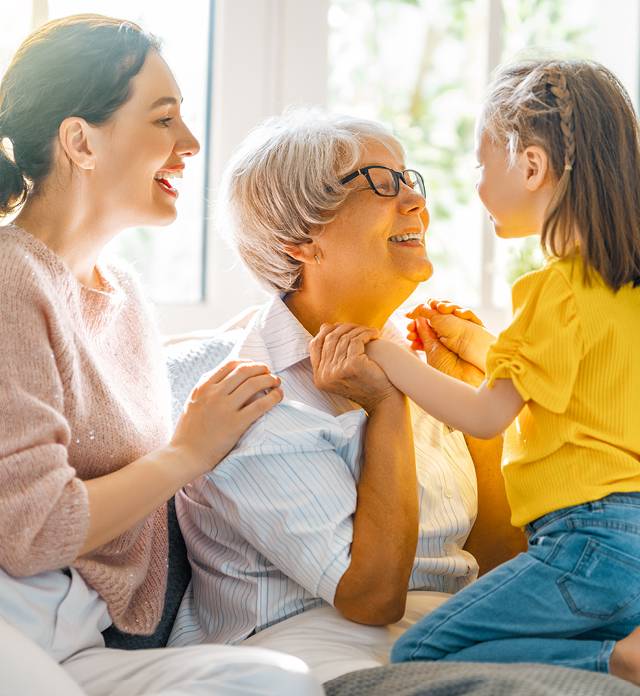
(446,584)
(448,546)
(449,492)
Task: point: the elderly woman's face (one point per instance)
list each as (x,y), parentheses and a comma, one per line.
(363,246)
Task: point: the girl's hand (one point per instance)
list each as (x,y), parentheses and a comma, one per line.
(445,360)
(341,366)
(223,404)
(467,338)
(429,310)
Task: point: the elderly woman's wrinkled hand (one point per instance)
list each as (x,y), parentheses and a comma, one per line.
(340,365)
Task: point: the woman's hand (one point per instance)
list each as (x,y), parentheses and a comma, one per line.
(340,365)
(223,404)
(373,589)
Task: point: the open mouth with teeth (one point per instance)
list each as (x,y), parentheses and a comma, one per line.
(403,238)
(162,179)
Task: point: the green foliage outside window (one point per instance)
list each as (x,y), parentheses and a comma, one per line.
(420,66)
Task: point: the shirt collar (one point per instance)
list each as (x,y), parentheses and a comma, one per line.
(275,337)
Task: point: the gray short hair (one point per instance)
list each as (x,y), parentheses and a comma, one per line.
(282,185)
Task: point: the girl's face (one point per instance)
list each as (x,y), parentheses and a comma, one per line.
(142,147)
(505,190)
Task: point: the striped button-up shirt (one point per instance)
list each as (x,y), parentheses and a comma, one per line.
(269,530)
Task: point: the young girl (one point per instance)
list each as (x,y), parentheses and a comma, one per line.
(557,147)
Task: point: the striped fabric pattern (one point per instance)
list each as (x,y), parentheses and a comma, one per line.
(269,529)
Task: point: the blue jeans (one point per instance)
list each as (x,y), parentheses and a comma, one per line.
(565,602)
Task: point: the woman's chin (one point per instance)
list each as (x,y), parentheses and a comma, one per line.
(425,272)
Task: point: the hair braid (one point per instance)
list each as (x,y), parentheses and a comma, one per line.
(557,84)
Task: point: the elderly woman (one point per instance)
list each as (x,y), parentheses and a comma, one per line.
(345,492)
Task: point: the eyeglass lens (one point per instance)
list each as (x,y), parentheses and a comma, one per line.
(386,183)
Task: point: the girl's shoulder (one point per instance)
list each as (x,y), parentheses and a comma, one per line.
(551,286)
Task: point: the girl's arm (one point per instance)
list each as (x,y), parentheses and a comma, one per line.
(481,412)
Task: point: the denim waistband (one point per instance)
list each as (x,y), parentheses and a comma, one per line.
(632,498)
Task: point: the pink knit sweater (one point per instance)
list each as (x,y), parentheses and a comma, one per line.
(83,392)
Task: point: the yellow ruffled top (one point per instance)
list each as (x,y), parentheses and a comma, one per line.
(573,354)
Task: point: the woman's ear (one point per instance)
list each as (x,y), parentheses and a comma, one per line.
(77,143)
(536,167)
(305,253)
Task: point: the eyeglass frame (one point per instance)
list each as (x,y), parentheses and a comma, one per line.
(397,177)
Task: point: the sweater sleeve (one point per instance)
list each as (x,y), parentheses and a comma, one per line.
(541,350)
(44,507)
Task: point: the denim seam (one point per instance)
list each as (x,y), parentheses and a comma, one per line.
(603,524)
(604,657)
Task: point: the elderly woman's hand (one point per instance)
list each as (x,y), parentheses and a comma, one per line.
(341,366)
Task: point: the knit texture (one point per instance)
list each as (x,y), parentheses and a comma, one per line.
(83,392)
(477,679)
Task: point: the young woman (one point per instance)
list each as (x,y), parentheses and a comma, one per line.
(91,136)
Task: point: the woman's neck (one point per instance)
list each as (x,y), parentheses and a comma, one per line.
(314,311)
(70,230)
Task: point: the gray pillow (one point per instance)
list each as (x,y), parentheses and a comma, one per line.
(189,360)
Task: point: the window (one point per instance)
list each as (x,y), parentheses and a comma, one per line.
(420,66)
(170,259)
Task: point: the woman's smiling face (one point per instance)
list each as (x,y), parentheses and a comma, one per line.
(362,246)
(142,147)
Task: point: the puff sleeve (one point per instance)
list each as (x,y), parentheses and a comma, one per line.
(542,349)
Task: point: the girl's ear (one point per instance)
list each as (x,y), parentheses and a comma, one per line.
(536,167)
(77,143)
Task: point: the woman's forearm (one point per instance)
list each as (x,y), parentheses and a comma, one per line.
(385,527)
(219,409)
(118,501)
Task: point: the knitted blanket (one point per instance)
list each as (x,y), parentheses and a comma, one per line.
(474,679)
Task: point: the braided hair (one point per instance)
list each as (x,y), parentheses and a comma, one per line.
(581,115)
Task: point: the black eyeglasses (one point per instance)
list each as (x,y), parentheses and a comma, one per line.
(386,182)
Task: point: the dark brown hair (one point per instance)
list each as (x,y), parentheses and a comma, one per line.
(76,66)
(582,116)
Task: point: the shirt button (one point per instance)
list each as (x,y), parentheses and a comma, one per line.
(449,492)
(448,546)
(446,585)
